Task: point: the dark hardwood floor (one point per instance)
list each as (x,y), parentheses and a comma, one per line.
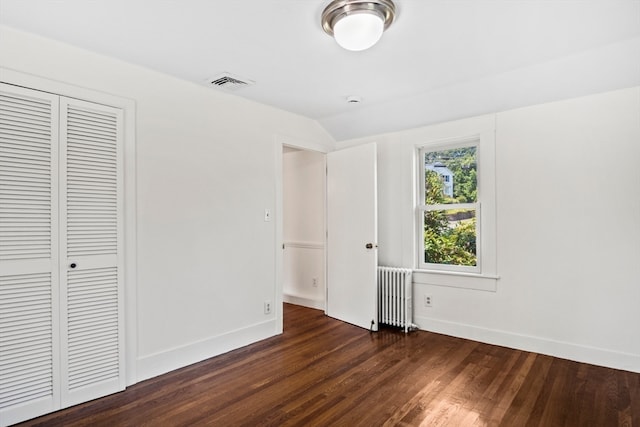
(322,372)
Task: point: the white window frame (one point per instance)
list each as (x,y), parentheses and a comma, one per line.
(421,208)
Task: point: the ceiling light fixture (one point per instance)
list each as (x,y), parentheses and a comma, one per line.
(357,24)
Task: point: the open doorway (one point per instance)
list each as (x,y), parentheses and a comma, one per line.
(304,227)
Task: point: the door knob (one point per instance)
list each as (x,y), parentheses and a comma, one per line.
(73,265)
(370,246)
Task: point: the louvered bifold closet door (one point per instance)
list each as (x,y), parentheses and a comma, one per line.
(29,353)
(92,280)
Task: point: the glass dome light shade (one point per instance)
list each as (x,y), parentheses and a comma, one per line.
(358,31)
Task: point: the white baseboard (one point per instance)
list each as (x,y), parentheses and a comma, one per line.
(305,302)
(167,361)
(564,350)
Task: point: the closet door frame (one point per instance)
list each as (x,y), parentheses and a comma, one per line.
(128,106)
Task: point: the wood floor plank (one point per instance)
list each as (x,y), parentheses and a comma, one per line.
(322,372)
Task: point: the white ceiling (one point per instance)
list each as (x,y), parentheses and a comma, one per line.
(440,60)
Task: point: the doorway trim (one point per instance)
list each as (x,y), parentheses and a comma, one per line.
(281,141)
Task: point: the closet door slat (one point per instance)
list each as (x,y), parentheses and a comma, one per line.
(26,167)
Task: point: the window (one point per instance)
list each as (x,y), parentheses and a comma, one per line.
(449,208)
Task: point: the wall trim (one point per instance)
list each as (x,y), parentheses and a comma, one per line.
(304,245)
(455,280)
(179,357)
(303,301)
(563,350)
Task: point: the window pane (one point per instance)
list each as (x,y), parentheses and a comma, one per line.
(451,176)
(450,237)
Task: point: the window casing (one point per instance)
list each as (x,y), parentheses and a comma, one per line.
(448,207)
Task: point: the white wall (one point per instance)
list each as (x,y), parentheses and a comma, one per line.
(568,229)
(304,227)
(205,174)
(568,248)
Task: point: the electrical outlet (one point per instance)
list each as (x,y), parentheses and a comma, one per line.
(267,307)
(428,301)
(314,282)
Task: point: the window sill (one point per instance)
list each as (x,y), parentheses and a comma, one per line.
(454,279)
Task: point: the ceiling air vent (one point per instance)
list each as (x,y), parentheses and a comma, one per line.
(230,82)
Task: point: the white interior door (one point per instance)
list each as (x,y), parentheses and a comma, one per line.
(352,223)
(91,283)
(29,328)
(61,252)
